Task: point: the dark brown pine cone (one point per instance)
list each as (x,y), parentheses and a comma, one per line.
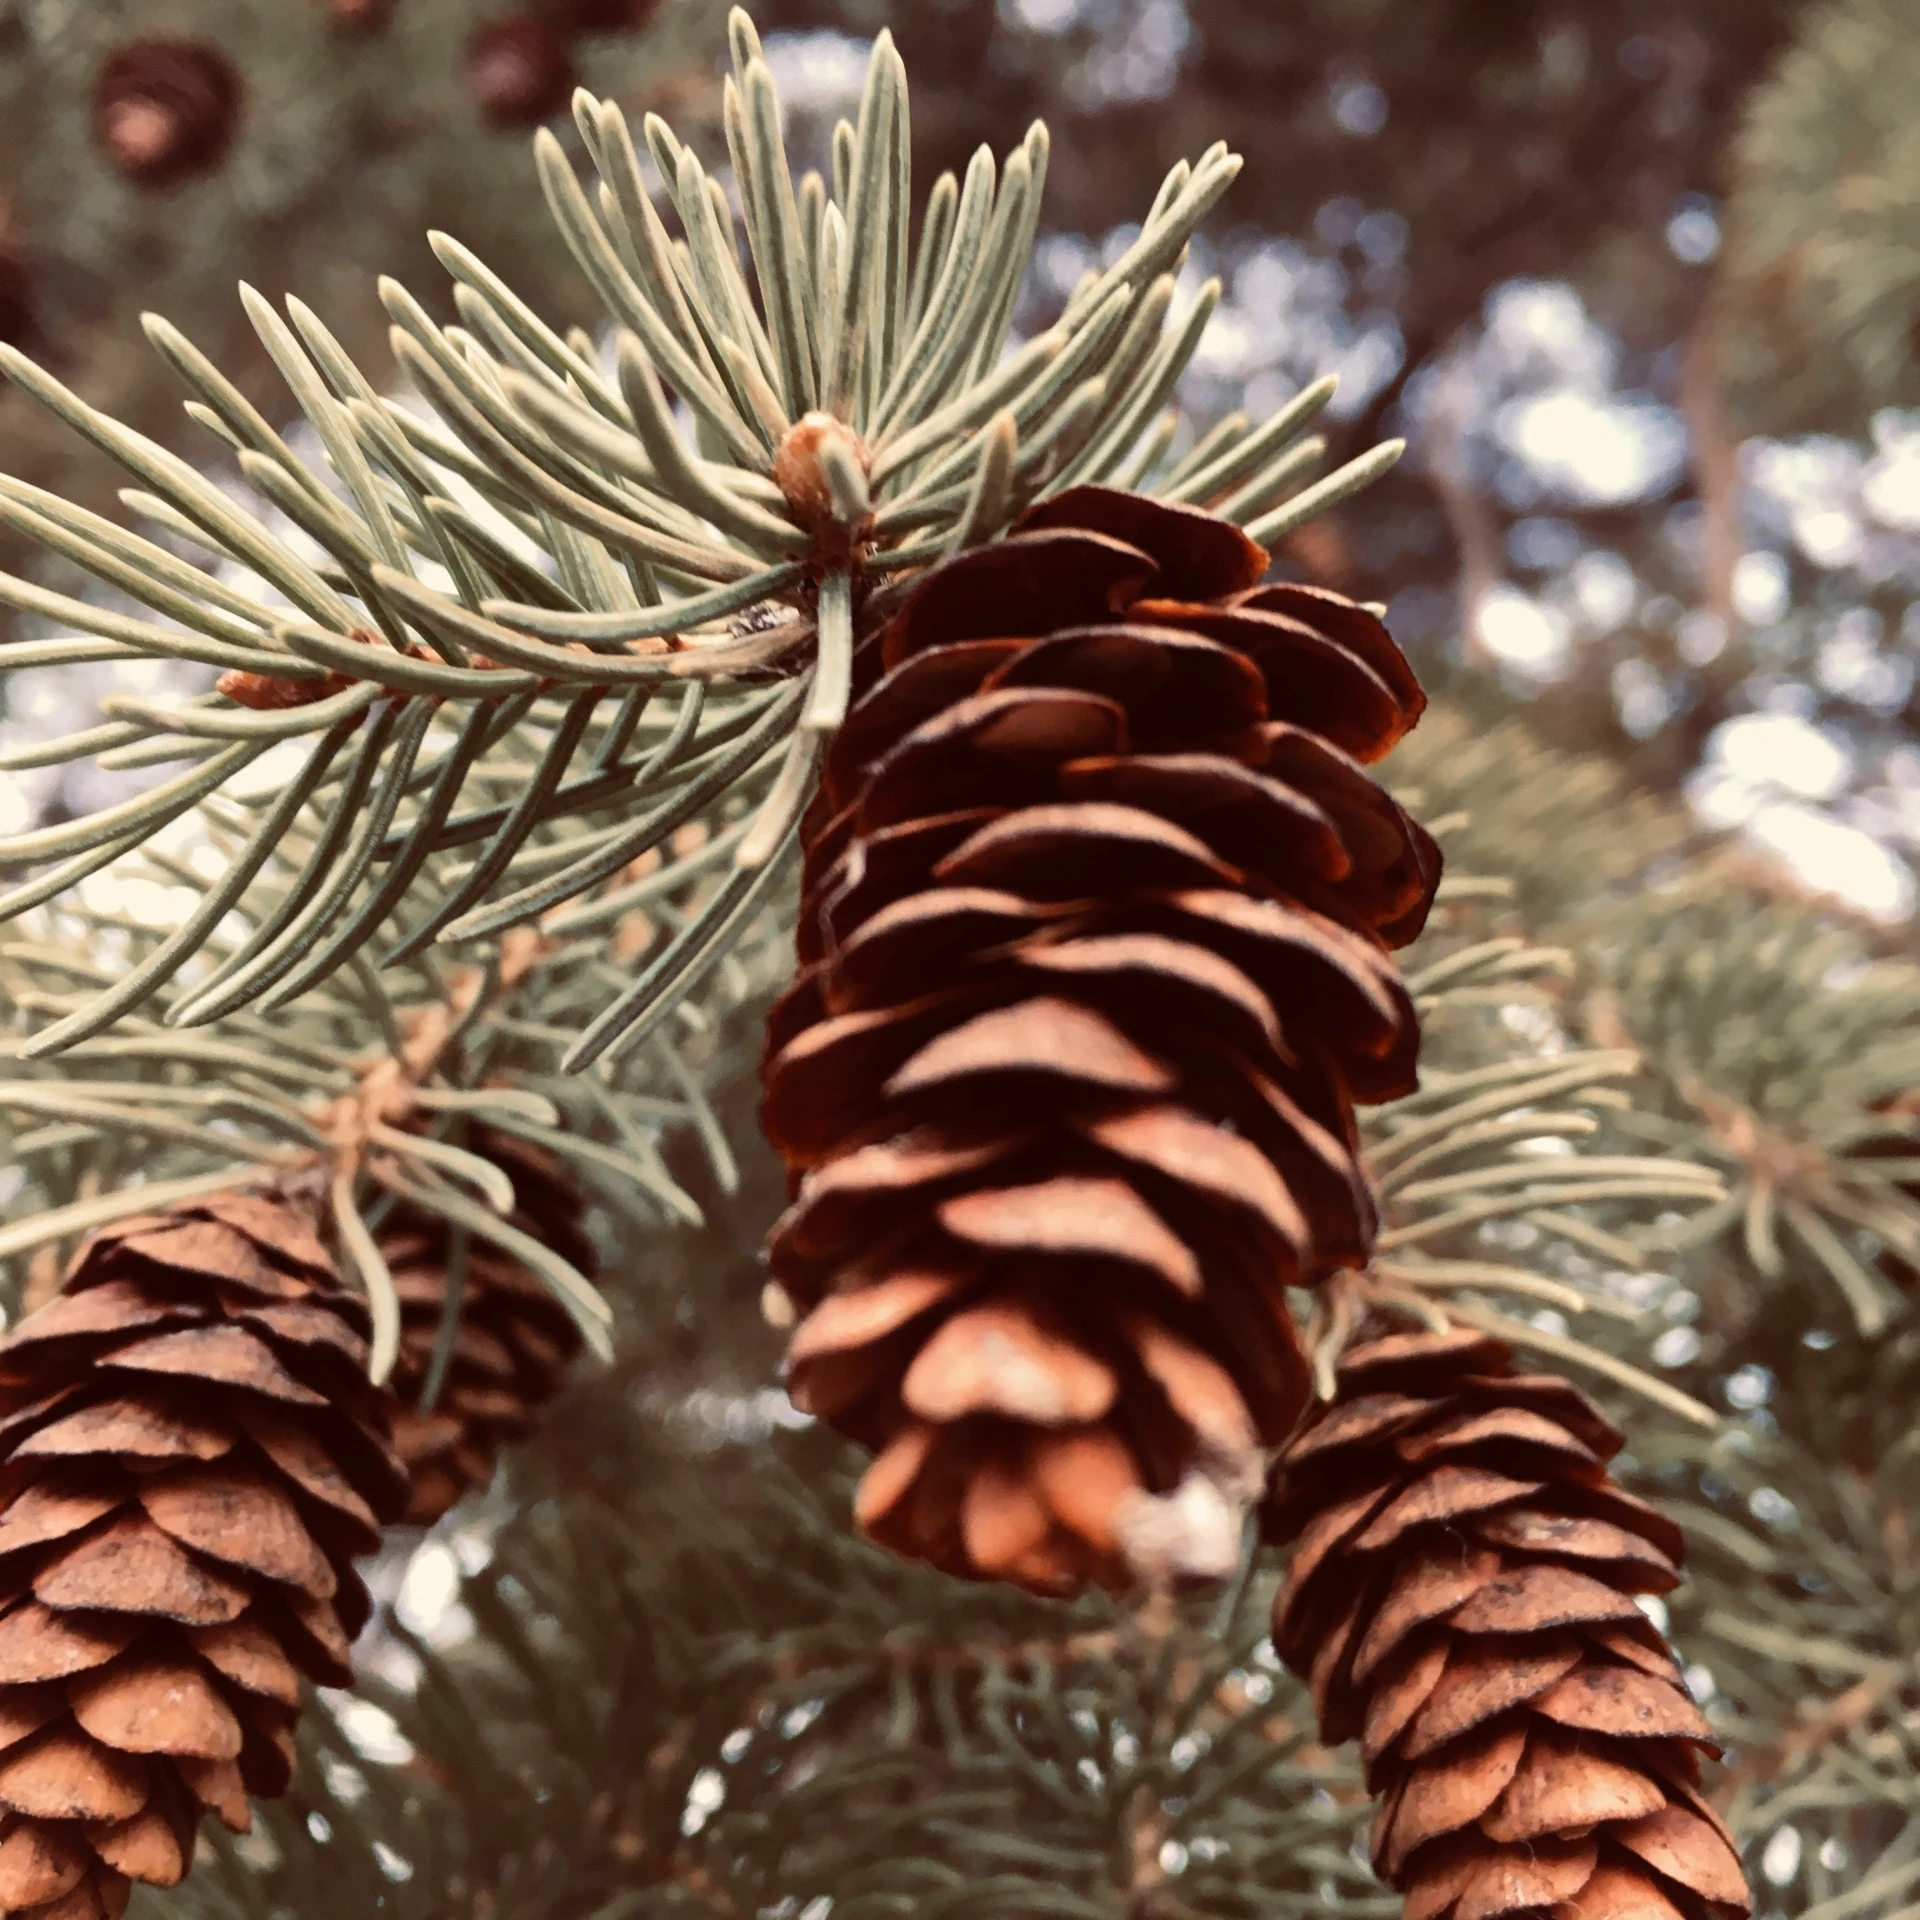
(520,71)
(1096,909)
(515,1340)
(19,321)
(164,110)
(602,16)
(191,1456)
(360,16)
(1461,1598)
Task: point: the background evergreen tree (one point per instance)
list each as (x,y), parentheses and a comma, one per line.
(1585,259)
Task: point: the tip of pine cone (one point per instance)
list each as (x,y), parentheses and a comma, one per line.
(1193,1533)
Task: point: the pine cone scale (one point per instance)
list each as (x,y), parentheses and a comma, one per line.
(1171,688)
(944,923)
(1328,690)
(1470,1687)
(999,1357)
(1578,1539)
(33,1413)
(1542,1596)
(147,1423)
(146,1847)
(1518,1877)
(1159,982)
(236,1515)
(1689,1847)
(1253,823)
(1431,1586)
(1448,1493)
(132,1567)
(1057,854)
(312,1631)
(61,1775)
(38,1865)
(153,1704)
(1530,1737)
(996,748)
(244,1652)
(118,1307)
(227,1355)
(1196,556)
(1617,1893)
(1073,1217)
(1055,578)
(1440,1798)
(1568,1786)
(55,1506)
(299,1455)
(1404,1691)
(1036,1038)
(1224,1167)
(1624,1701)
(36,1644)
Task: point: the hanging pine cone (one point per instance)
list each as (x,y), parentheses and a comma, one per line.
(1095,911)
(164,110)
(193,1457)
(1461,1597)
(520,71)
(602,16)
(360,16)
(18,322)
(514,1342)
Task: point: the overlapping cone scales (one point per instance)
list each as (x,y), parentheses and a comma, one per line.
(1096,908)
(191,1457)
(514,1340)
(1461,1597)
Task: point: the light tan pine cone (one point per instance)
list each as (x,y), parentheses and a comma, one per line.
(1461,1597)
(515,1340)
(1094,935)
(191,1457)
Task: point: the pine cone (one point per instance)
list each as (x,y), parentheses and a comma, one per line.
(1095,912)
(164,110)
(515,1340)
(193,1456)
(603,16)
(19,319)
(360,16)
(1461,1599)
(520,71)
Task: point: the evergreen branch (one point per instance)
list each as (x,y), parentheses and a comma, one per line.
(587,541)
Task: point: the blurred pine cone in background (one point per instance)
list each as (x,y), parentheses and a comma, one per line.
(165,110)
(520,71)
(514,1340)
